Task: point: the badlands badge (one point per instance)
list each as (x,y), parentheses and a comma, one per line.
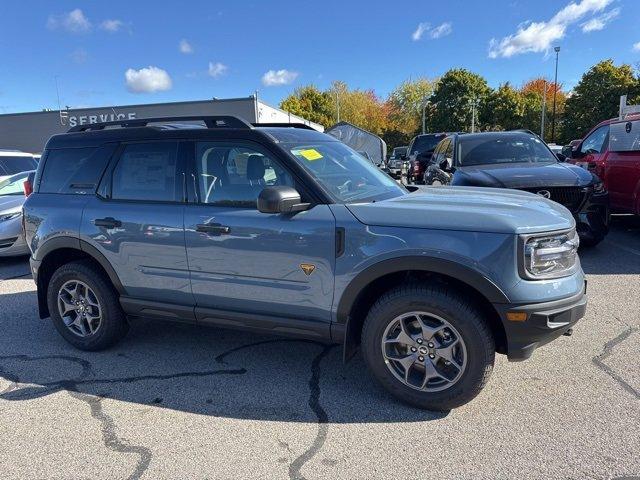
(307,268)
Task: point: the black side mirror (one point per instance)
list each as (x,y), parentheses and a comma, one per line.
(561,157)
(280,199)
(566,151)
(446,164)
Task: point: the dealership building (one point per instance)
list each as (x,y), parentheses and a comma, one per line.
(30,131)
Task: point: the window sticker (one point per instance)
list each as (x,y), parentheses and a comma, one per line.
(308,153)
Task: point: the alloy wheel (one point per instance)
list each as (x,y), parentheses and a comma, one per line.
(79,308)
(424,351)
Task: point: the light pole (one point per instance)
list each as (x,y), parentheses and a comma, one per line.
(425,102)
(555,92)
(474,105)
(337,106)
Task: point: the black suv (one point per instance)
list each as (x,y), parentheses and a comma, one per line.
(419,155)
(521,160)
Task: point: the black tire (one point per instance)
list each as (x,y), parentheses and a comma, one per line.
(455,309)
(113,326)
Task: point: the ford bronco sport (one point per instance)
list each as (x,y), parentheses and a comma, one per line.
(282,229)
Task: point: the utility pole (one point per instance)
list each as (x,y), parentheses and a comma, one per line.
(424,108)
(544,108)
(338,105)
(474,104)
(555,91)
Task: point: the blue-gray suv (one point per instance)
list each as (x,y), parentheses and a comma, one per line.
(281,229)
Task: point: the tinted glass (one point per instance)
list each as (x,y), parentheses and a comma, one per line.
(148,171)
(490,149)
(344,173)
(234,174)
(594,143)
(12,165)
(425,143)
(66,167)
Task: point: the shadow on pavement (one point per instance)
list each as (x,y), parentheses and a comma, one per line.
(619,252)
(197,370)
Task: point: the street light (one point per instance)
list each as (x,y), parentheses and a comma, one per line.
(555,92)
(425,102)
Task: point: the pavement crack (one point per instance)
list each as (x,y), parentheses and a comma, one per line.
(295,468)
(110,438)
(598,360)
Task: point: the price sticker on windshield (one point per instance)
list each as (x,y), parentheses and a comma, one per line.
(309,153)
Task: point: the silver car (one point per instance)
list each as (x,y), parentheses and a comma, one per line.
(12,196)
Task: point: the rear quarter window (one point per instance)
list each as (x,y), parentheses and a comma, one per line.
(73,170)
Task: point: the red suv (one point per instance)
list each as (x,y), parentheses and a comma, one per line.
(611,150)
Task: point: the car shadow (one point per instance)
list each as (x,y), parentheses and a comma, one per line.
(618,253)
(202,370)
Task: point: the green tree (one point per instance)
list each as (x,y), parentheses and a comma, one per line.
(596,97)
(359,107)
(503,109)
(405,105)
(310,103)
(451,102)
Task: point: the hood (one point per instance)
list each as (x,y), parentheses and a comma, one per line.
(11,203)
(467,208)
(523,175)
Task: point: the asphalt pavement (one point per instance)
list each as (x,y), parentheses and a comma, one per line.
(178,401)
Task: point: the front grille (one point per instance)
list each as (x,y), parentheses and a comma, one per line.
(570,197)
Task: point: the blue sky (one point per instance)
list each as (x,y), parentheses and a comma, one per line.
(125,52)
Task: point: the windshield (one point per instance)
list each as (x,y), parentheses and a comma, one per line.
(425,143)
(13,185)
(398,152)
(481,150)
(345,174)
(10,165)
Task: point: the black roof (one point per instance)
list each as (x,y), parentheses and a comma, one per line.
(495,135)
(206,128)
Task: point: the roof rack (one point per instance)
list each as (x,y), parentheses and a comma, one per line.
(284,124)
(217,121)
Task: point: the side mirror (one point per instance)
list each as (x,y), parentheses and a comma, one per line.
(561,157)
(280,199)
(567,150)
(445,164)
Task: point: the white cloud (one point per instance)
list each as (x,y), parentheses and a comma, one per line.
(636,47)
(598,23)
(73,21)
(112,25)
(278,77)
(540,36)
(147,80)
(185,47)
(436,32)
(441,30)
(79,55)
(417,34)
(217,69)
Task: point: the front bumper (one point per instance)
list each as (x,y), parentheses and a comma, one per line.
(544,323)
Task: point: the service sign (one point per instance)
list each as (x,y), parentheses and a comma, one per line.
(100,118)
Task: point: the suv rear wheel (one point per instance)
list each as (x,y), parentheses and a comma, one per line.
(84,307)
(428,346)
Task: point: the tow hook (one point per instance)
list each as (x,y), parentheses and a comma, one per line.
(568,333)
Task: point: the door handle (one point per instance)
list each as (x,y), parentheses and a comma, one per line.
(216,228)
(108,222)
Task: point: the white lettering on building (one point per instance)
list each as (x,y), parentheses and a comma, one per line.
(100,118)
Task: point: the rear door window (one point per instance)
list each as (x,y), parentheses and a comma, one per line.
(148,172)
(72,170)
(625,137)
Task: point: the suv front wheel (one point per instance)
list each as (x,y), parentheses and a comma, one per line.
(428,346)
(84,307)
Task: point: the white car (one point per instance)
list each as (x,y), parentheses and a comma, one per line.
(12,196)
(14,161)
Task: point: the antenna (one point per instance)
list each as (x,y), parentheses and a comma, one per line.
(64,114)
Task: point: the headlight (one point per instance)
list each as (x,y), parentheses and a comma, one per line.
(9,216)
(599,187)
(550,256)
